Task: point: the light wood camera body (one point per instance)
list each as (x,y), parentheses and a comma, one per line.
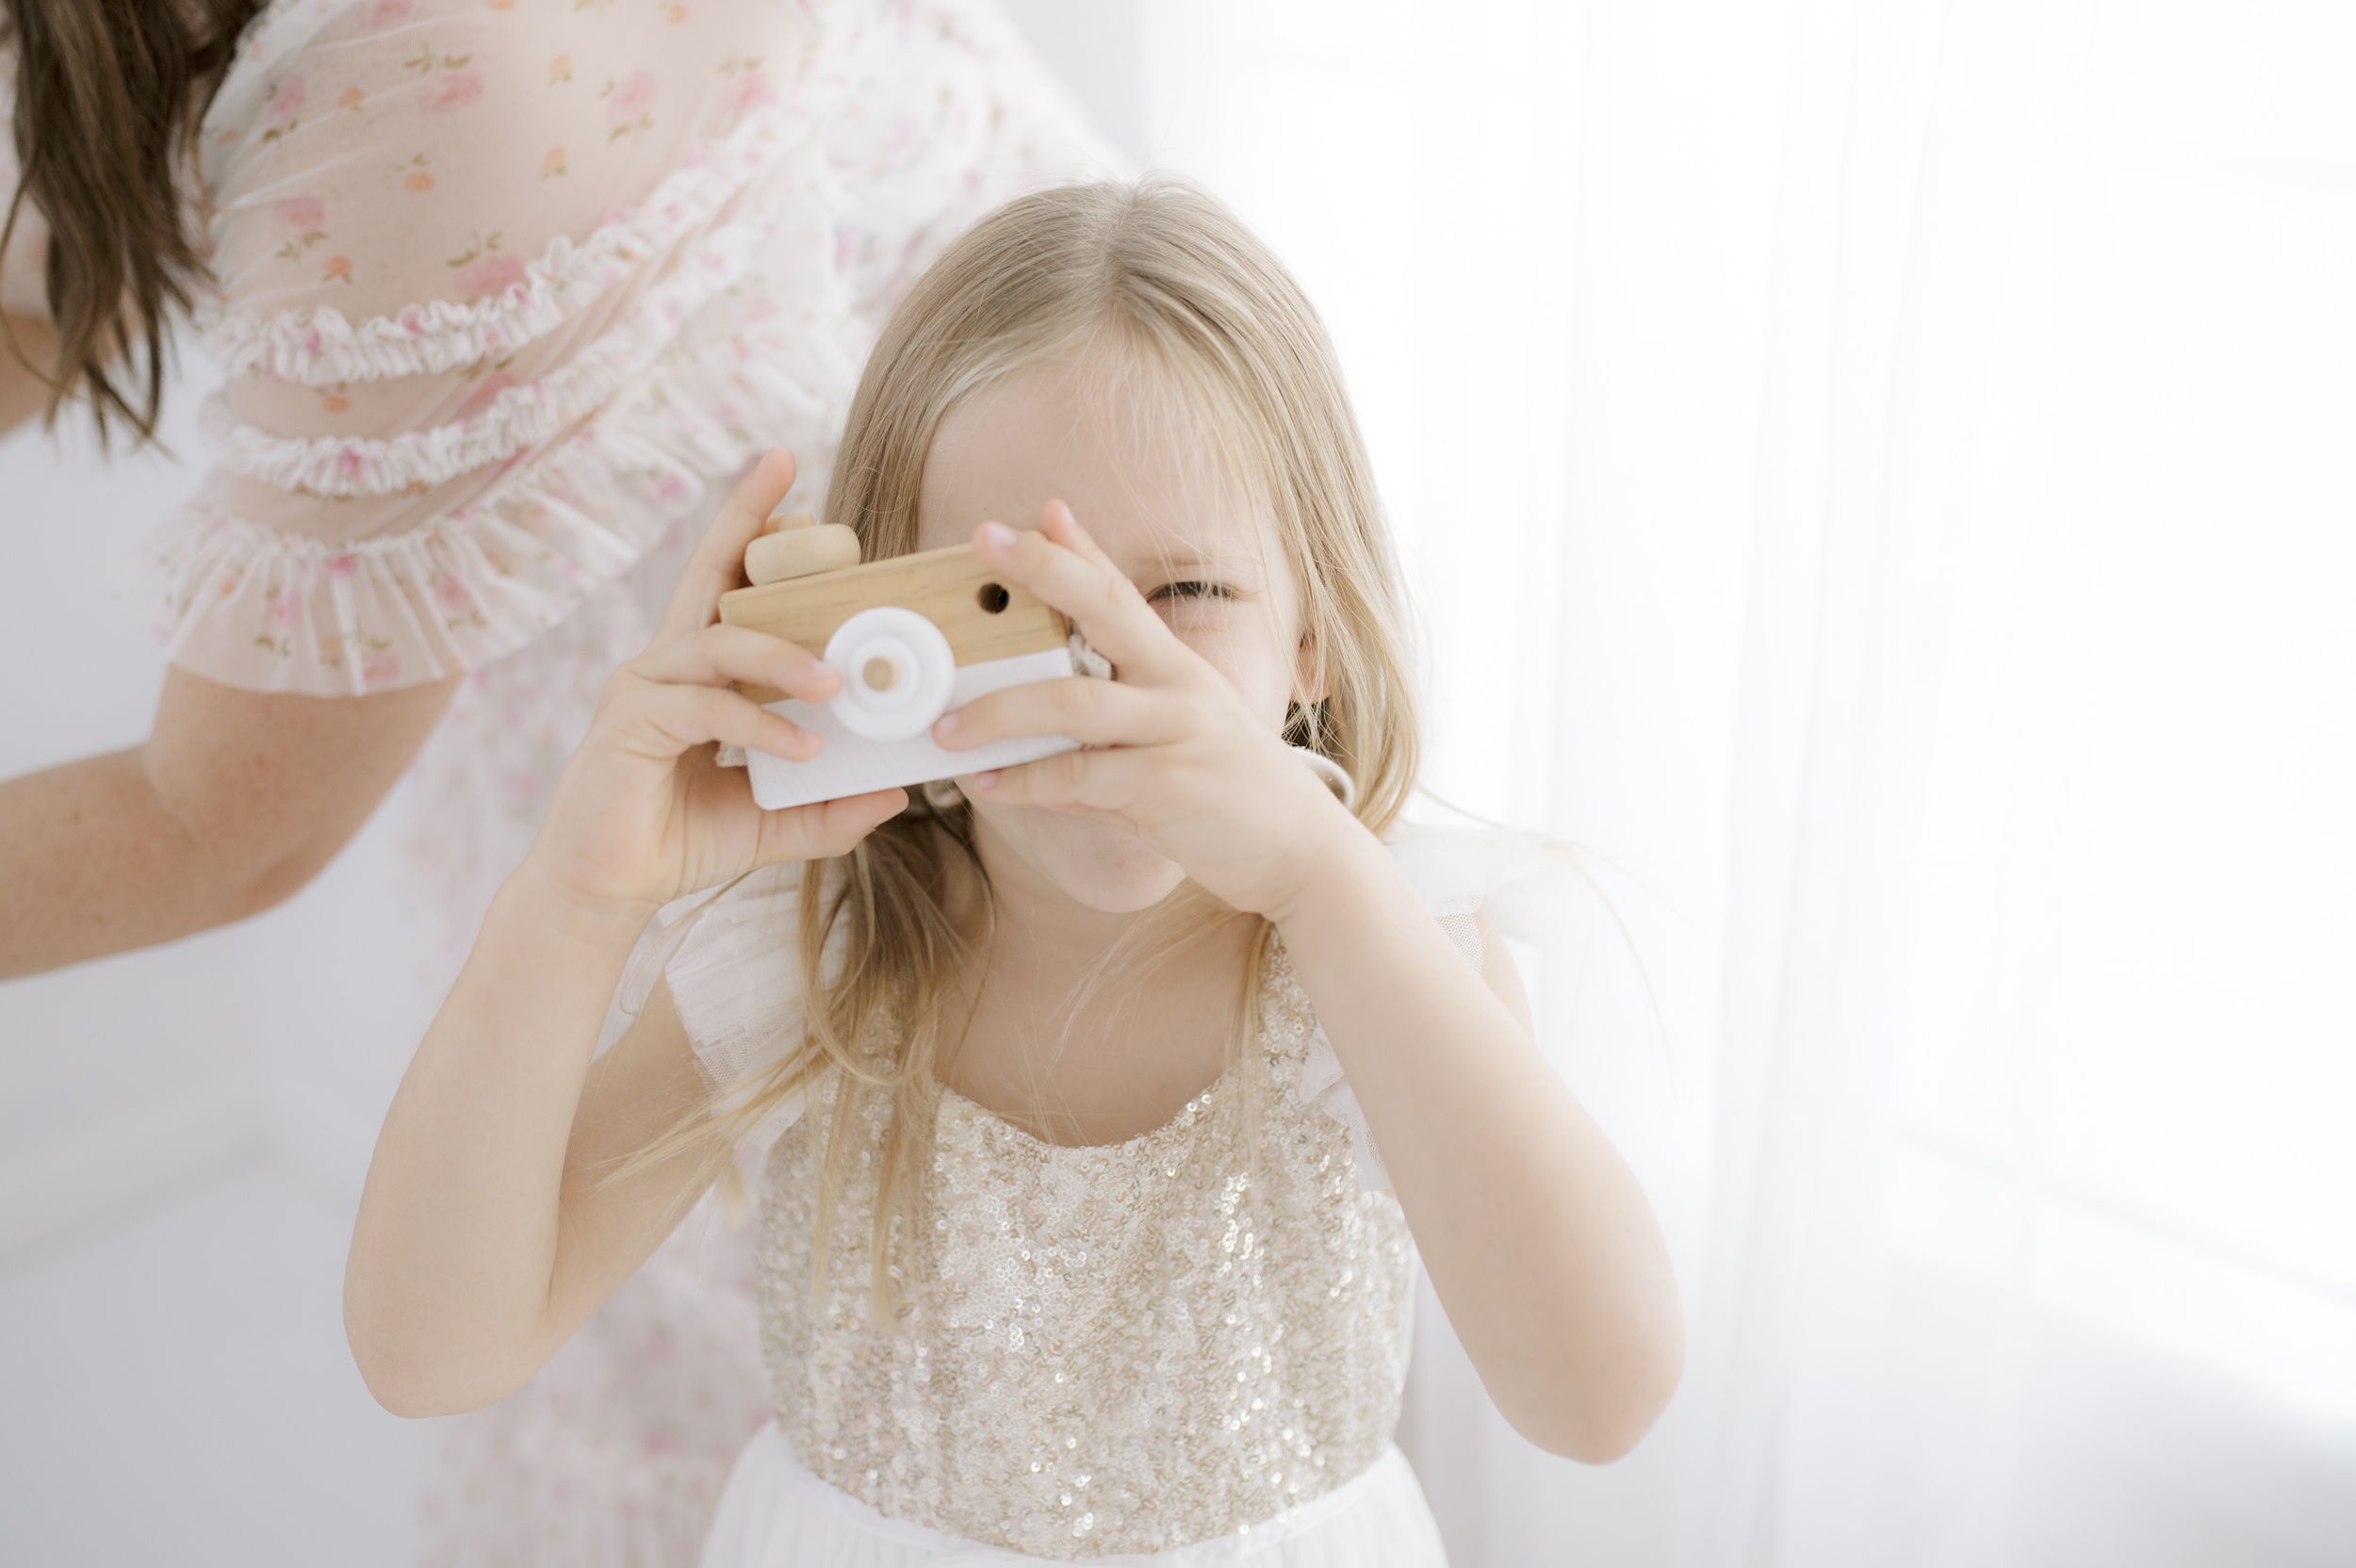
(949,587)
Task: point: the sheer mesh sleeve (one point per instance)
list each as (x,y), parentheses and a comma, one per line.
(452,238)
(731,963)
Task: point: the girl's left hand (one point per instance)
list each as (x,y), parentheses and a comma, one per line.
(1173,753)
(643,813)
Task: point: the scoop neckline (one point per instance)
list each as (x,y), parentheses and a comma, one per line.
(1184,1118)
(1274,979)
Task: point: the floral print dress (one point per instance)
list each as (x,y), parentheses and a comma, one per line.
(509,292)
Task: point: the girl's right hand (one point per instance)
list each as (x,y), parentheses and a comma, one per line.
(643,813)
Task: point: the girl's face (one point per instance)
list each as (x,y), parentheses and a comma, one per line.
(1203,554)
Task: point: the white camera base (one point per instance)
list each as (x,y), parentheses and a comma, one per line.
(852,764)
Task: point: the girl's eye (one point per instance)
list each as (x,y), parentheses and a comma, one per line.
(1190,589)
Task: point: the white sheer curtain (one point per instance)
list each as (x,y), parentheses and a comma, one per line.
(1876,471)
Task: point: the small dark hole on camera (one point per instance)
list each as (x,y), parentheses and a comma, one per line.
(994,598)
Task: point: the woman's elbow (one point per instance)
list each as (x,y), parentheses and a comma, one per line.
(275,874)
(265,789)
(241,858)
(1612,1435)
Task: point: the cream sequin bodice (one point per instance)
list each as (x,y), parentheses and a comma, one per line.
(1118,1348)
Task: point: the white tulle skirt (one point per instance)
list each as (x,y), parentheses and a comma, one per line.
(775,1514)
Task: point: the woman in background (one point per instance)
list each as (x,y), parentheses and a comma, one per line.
(507,291)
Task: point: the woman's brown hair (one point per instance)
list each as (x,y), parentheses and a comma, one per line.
(109,96)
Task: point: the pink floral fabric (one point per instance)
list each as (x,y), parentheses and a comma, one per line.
(505,286)
(483,268)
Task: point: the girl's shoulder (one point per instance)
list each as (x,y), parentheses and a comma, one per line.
(1525,886)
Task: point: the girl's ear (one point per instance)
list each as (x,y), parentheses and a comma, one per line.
(1309,673)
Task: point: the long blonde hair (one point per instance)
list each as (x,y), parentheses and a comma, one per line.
(1162,278)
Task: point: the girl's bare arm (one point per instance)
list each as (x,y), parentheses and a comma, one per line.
(1540,1242)
(487,1230)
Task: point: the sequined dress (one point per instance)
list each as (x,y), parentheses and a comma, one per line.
(1189,1347)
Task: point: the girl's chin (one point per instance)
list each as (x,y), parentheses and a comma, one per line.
(1095,863)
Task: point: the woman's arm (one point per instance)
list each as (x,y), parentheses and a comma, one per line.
(234,802)
(237,799)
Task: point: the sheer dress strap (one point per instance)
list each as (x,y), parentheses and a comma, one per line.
(732,961)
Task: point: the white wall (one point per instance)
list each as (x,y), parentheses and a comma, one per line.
(1096,47)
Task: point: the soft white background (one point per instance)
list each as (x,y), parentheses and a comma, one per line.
(1874,473)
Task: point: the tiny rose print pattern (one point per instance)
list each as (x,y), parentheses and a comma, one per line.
(285,109)
(445,92)
(628,106)
(483,268)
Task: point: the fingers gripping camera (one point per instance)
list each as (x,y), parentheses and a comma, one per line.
(912,638)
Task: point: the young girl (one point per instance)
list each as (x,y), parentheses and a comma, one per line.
(1075,1239)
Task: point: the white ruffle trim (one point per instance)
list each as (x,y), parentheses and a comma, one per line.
(520,416)
(270,612)
(318,346)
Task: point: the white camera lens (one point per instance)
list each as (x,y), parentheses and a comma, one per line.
(897,671)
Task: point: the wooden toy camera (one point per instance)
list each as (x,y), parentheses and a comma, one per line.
(912,638)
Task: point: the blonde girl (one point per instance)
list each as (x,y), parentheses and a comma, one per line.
(1103,1105)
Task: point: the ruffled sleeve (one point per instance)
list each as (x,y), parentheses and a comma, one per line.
(730,961)
(1523,887)
(462,251)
